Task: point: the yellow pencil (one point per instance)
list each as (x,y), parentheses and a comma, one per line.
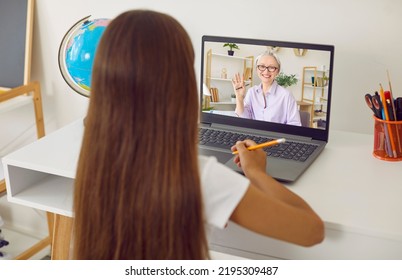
(263,145)
(394,112)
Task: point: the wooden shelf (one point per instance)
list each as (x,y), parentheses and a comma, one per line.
(247,83)
(311,92)
(217,62)
(310,85)
(232,57)
(223,103)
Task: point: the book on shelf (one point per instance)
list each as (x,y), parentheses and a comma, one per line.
(247,73)
(214,94)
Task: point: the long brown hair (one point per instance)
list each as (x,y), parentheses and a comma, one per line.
(137,189)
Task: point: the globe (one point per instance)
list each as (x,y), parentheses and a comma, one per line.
(77,53)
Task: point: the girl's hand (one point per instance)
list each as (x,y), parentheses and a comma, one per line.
(251,162)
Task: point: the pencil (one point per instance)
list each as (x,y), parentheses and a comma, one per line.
(264,145)
(391,137)
(394,111)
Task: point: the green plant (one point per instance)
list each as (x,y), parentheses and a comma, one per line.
(286,80)
(231,46)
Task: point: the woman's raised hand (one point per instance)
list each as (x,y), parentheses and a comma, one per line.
(239,86)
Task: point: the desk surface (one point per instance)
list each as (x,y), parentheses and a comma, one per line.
(351,188)
(352,191)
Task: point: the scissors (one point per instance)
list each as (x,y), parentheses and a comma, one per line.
(374,103)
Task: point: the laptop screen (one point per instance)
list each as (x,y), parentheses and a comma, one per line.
(304,74)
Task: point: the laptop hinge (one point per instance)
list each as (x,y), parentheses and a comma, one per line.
(204,124)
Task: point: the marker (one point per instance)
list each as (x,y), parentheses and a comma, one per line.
(398,108)
(264,145)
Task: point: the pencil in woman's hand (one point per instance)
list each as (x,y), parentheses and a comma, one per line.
(263,145)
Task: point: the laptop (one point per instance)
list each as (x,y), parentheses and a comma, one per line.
(221,127)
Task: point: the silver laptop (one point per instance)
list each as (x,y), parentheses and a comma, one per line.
(220,127)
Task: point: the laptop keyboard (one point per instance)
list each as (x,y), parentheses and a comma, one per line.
(225,140)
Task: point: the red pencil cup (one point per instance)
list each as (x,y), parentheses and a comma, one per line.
(387,139)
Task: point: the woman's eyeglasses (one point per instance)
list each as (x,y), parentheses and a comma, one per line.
(269,68)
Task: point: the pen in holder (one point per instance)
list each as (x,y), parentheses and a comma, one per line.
(387,140)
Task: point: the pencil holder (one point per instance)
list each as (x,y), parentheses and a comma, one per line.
(387,140)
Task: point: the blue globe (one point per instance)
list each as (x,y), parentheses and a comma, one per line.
(77,53)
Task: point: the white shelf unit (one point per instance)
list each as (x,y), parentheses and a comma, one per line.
(41,175)
(215,78)
(315,92)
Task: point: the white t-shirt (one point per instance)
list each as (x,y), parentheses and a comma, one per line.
(222,189)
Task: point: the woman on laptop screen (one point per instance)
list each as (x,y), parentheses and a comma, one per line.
(267,101)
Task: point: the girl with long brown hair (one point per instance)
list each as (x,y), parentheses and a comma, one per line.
(141,190)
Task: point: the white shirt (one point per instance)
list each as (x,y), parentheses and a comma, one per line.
(222,189)
(277,105)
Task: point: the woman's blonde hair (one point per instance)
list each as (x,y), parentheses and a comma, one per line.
(269,53)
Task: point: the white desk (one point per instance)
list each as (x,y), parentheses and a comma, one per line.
(358,196)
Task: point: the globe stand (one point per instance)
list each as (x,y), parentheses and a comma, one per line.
(62,55)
